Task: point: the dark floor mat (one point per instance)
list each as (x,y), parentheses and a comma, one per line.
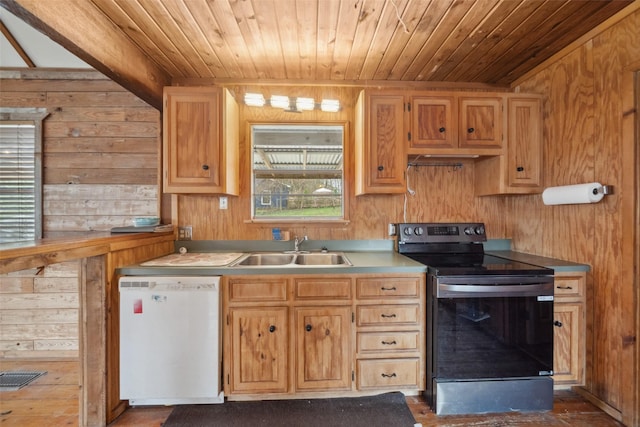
(12,381)
(389,409)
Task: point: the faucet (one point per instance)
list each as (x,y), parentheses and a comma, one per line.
(297,242)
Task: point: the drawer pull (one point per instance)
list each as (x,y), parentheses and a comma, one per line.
(389,375)
(388,316)
(564,287)
(388,289)
(389,342)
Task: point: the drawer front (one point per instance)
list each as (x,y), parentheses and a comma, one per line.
(385,342)
(569,286)
(388,315)
(388,373)
(318,289)
(257,289)
(389,287)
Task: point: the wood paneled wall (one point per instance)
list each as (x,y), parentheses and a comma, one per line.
(589,99)
(101,149)
(39,312)
(442,193)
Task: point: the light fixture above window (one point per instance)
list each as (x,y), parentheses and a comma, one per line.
(291,104)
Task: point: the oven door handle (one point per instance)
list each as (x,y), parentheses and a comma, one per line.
(476,291)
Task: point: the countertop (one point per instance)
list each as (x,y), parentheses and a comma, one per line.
(367,256)
(362,262)
(554,263)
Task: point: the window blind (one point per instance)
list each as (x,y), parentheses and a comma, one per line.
(17,181)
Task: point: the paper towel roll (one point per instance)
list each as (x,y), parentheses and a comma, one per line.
(573,194)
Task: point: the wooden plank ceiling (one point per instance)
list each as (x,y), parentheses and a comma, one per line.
(330,41)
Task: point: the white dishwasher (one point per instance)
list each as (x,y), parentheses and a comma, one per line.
(170,340)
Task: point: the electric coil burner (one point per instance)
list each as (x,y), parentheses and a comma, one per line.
(489,322)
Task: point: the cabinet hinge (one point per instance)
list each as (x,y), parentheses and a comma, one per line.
(408,136)
(353,317)
(353,376)
(408,106)
(227,379)
(227,320)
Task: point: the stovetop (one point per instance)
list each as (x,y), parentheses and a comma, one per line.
(482,264)
(455,249)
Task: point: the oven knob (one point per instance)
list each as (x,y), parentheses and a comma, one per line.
(480,230)
(418,231)
(408,231)
(468,231)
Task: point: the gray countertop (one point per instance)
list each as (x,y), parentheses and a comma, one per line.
(554,263)
(363,262)
(366,256)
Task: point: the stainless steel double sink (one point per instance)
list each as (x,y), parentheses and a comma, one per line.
(299,259)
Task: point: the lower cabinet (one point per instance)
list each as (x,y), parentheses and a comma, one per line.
(570,329)
(390,323)
(258,338)
(323,344)
(315,335)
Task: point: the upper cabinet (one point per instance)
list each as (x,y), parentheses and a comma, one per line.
(519,171)
(200,140)
(456,124)
(380,143)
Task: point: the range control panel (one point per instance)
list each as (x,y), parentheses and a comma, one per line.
(428,232)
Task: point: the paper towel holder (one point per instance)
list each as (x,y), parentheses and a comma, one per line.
(604,189)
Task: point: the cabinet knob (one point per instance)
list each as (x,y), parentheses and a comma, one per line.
(470,130)
(519,168)
(442,130)
(380,168)
(272,328)
(558,323)
(205,167)
(308,328)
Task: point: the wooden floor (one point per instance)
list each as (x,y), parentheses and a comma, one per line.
(52,400)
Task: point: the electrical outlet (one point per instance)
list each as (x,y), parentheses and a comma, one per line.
(392,229)
(224,203)
(185,233)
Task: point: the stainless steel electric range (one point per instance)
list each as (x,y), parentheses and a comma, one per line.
(489,322)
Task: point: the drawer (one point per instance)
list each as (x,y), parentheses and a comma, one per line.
(388,373)
(318,289)
(388,287)
(569,285)
(379,315)
(257,289)
(386,342)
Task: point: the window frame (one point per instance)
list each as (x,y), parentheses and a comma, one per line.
(35,116)
(346,138)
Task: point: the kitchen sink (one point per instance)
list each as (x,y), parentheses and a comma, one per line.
(321,259)
(267,259)
(293,260)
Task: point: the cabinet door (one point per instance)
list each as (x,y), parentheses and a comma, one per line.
(480,122)
(259,350)
(524,142)
(432,122)
(381,144)
(323,337)
(191,139)
(568,358)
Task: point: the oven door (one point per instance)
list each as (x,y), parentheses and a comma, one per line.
(487,328)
